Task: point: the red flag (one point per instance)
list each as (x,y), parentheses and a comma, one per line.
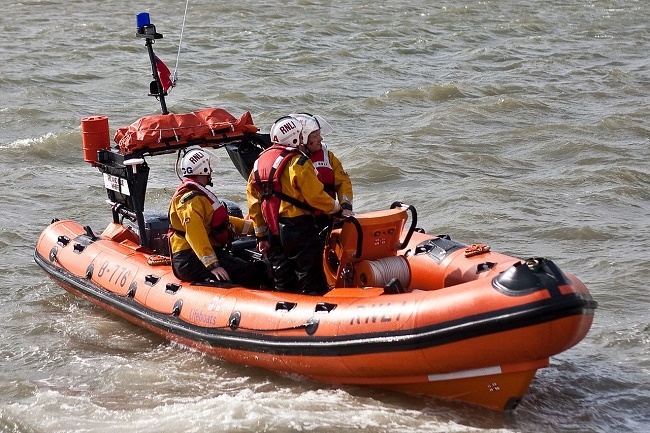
(164,75)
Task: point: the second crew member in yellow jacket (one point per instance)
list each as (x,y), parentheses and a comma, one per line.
(283,194)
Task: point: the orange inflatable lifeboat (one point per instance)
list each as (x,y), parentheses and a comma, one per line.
(406,311)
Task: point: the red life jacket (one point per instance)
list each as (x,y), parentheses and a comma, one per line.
(221,229)
(322,163)
(266,179)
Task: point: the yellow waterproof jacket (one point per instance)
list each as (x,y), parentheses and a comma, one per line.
(190,215)
(299,180)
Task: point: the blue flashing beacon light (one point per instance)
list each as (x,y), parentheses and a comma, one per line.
(143,19)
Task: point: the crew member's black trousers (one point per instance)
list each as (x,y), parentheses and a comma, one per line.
(187,267)
(304,254)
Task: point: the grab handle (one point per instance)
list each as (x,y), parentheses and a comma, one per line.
(414,222)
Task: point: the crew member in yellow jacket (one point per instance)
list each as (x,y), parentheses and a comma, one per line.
(202,230)
(284,193)
(330,170)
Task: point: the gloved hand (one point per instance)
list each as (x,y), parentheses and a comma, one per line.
(344,212)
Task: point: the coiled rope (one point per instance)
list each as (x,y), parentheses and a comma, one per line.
(158,260)
(385,269)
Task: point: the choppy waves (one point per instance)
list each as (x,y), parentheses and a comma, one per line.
(521,125)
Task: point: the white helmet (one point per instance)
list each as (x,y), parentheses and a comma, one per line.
(197,162)
(311,123)
(287,131)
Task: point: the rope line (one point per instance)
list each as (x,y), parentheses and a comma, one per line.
(178,56)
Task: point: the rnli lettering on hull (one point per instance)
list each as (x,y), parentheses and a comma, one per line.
(376,313)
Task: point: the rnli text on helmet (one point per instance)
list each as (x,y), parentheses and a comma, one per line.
(196,157)
(287,127)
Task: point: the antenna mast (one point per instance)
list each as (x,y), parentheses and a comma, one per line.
(147,31)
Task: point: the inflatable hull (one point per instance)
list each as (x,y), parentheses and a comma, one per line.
(469,327)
